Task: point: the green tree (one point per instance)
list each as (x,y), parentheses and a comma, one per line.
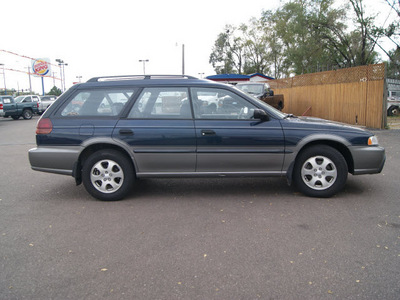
(296,43)
(55,91)
(393,65)
(255,47)
(301,36)
(227,55)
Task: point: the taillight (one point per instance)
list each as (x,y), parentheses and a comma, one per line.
(1,105)
(44,126)
(38,105)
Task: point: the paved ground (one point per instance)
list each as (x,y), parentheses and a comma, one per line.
(195,239)
(393,122)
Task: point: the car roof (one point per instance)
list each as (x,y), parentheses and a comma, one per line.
(148,80)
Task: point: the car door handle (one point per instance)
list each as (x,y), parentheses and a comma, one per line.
(207,132)
(125,132)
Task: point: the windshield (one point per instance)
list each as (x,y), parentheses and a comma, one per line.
(253,89)
(19,99)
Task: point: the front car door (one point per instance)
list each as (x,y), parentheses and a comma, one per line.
(230,140)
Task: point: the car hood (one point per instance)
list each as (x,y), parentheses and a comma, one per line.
(320,124)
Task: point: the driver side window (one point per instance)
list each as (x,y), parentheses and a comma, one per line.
(214,103)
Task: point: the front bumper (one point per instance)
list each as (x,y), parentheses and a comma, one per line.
(368,159)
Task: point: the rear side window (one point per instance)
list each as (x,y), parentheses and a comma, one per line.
(162,103)
(6,100)
(97,103)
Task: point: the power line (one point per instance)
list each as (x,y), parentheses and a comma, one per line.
(24,56)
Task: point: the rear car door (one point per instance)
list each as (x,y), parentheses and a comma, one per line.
(160,131)
(89,114)
(229,139)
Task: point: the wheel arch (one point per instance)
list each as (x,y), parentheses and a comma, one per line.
(92,148)
(339,146)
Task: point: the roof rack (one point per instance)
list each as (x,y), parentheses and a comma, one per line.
(138,77)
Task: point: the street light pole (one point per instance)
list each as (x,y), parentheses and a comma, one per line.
(4,76)
(64,73)
(29,74)
(144,61)
(183,59)
(61,63)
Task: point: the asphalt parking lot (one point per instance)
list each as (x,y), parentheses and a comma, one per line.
(195,238)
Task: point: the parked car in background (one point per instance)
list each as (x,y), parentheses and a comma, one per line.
(22,106)
(4,99)
(45,102)
(108,131)
(393,106)
(263,92)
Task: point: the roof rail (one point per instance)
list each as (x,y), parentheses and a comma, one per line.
(138,77)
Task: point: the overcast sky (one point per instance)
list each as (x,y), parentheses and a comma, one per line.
(100,38)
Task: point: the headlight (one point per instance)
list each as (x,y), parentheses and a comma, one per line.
(372,141)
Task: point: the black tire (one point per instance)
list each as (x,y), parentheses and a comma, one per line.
(393,111)
(320,171)
(27,114)
(113,175)
(15,117)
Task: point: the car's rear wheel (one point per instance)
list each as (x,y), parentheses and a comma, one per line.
(108,175)
(27,114)
(320,171)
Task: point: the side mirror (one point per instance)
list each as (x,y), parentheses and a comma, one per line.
(260,115)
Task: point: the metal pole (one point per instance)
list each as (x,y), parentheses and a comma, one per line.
(29,74)
(61,77)
(64,74)
(183,59)
(43,93)
(144,61)
(4,76)
(63,69)
(61,63)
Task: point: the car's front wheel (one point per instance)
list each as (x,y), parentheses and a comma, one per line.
(320,171)
(108,175)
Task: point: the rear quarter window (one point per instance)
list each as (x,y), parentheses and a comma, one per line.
(6,100)
(101,102)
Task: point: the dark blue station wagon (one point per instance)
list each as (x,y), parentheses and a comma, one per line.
(110,130)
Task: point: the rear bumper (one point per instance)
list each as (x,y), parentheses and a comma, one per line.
(368,160)
(56,160)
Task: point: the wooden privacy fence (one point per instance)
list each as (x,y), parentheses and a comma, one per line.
(353,95)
